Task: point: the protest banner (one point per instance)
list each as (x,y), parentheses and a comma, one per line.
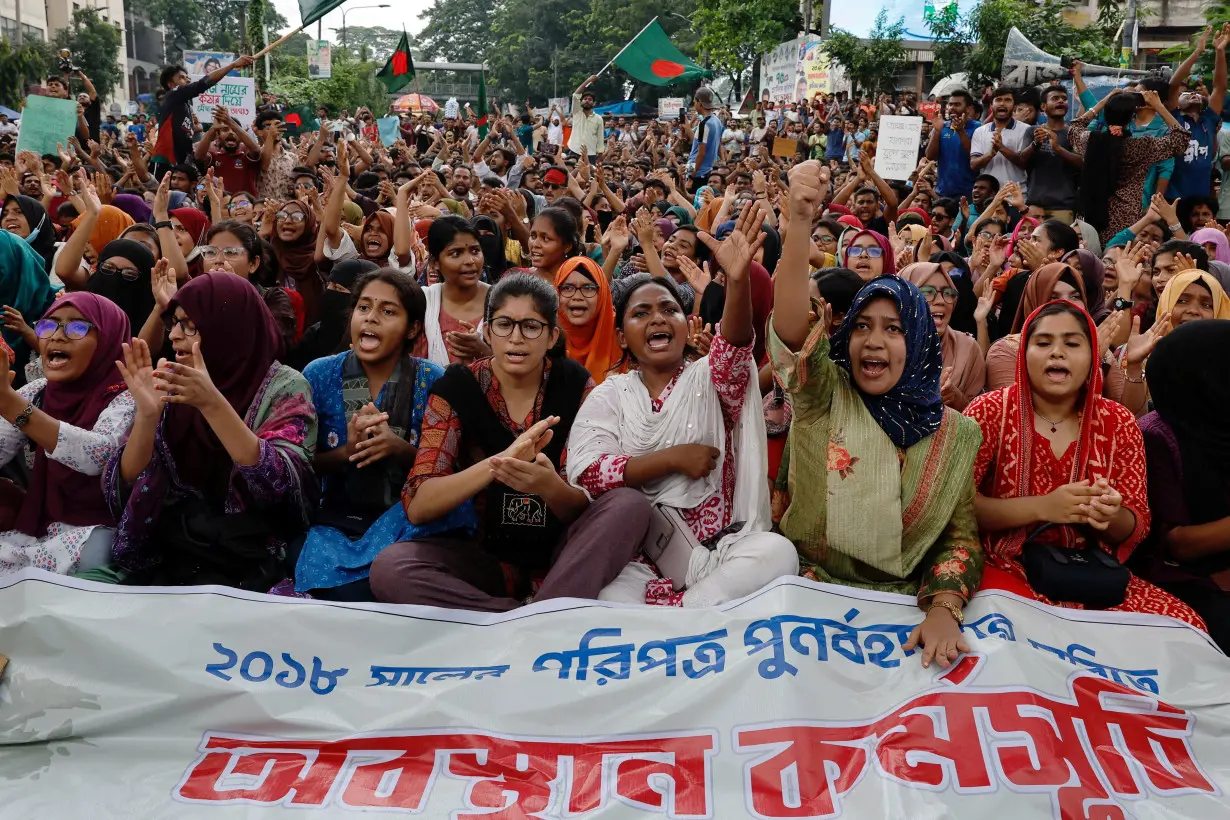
(669,108)
(389,129)
(45,123)
(238,94)
(320,59)
(897,146)
(928,110)
(785,147)
(798,701)
(781,75)
(207,62)
(817,70)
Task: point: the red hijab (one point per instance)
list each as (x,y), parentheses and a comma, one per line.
(239,343)
(57,492)
(890,264)
(194,221)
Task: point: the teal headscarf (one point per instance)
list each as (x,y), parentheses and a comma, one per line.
(696,200)
(681,215)
(23,285)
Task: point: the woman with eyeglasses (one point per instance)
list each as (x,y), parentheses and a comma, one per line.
(454,303)
(180,233)
(869,254)
(824,236)
(125,276)
(65,427)
(94,227)
(294,243)
(495,432)
(242,208)
(587,316)
(965,370)
(216,475)
(232,247)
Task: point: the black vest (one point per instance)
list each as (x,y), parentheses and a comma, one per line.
(518,528)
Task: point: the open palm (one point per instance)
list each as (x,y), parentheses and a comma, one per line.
(138,372)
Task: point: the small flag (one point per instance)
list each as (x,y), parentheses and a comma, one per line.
(300,120)
(399,70)
(482,105)
(749,102)
(652,58)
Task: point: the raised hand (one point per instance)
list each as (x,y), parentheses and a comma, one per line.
(734,254)
(187,384)
(14,321)
(1140,345)
(698,277)
(137,369)
(163,284)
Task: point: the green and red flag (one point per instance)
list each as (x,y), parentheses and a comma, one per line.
(749,102)
(300,120)
(483,119)
(652,58)
(399,70)
(312,10)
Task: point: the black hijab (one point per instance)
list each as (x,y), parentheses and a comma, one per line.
(135,297)
(42,230)
(491,239)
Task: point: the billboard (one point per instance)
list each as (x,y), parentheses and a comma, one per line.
(207,62)
(860,19)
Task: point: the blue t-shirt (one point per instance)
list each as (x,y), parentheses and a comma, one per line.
(954,176)
(1193,171)
(712,129)
(836,145)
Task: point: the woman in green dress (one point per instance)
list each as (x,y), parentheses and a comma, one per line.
(882,472)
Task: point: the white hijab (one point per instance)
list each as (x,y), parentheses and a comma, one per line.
(618,418)
(437,353)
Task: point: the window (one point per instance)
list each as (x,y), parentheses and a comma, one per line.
(8,28)
(31,33)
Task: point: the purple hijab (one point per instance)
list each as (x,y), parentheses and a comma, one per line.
(58,492)
(1092,273)
(134,206)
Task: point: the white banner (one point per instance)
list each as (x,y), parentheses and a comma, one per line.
(669,108)
(897,146)
(798,701)
(238,94)
(319,59)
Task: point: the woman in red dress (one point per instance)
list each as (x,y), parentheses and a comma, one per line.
(1055,451)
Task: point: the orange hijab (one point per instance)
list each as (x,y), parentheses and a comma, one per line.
(111,223)
(593,345)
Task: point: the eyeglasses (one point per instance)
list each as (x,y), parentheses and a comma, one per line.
(986,235)
(946,294)
(871,253)
(185,324)
(243,203)
(108,269)
(290,216)
(588,290)
(74,329)
(305,184)
(502,326)
(210,252)
(551,186)
(824,239)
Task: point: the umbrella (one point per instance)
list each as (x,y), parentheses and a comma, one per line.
(415,104)
(10,113)
(949,84)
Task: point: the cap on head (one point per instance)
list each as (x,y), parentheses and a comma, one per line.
(704,98)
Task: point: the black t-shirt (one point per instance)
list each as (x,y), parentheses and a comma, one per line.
(93,119)
(1052,183)
(175,122)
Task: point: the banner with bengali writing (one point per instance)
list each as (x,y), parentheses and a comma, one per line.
(798,701)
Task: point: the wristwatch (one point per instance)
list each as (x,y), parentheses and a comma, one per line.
(23,418)
(952,608)
(1121,304)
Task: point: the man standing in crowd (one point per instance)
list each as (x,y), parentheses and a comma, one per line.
(706,139)
(949,146)
(996,147)
(1052,166)
(587,132)
(1193,172)
(175,113)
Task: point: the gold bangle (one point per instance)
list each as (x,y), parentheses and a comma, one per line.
(952,608)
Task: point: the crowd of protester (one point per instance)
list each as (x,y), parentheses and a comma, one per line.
(476,368)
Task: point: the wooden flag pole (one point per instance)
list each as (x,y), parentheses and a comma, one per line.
(625,48)
(279,42)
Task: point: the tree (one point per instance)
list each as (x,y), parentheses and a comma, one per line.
(257,9)
(19,67)
(214,25)
(374,42)
(458,30)
(872,64)
(974,43)
(353,84)
(737,32)
(95,45)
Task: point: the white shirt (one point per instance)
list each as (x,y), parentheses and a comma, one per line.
(1015,137)
(587,131)
(346,250)
(8,128)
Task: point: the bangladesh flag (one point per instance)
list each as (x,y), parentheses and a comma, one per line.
(652,58)
(300,120)
(399,70)
(482,105)
(749,102)
(312,10)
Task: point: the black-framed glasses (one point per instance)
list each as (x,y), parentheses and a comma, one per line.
(290,216)
(929,293)
(128,274)
(74,329)
(502,326)
(824,239)
(589,290)
(185,324)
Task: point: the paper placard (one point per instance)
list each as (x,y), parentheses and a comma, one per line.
(46,122)
(320,60)
(785,148)
(238,94)
(390,130)
(669,108)
(897,146)
(928,110)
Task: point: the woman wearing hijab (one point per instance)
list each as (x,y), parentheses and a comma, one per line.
(957,268)
(223,428)
(1055,452)
(25,288)
(1191,296)
(869,254)
(587,316)
(72,422)
(181,232)
(124,275)
(965,369)
(713,299)
(1214,242)
(294,245)
(1050,282)
(870,428)
(93,230)
(1187,449)
(495,249)
(1093,275)
(134,206)
(27,218)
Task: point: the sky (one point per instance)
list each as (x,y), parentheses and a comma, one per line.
(399,13)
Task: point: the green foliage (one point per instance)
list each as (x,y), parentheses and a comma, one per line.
(95,45)
(457,31)
(19,67)
(290,58)
(974,43)
(353,84)
(872,64)
(736,32)
(1215,15)
(211,25)
(374,42)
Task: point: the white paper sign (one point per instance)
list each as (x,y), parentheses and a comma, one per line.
(238,94)
(669,108)
(799,701)
(897,146)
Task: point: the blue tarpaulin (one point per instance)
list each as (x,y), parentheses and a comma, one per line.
(627,108)
(10,113)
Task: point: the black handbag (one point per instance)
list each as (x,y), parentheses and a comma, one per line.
(1088,576)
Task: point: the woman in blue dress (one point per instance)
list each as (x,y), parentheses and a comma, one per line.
(370,401)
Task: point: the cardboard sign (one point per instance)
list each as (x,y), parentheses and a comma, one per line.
(784,147)
(45,123)
(669,108)
(238,94)
(897,146)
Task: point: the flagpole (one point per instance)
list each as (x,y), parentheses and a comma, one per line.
(283,39)
(625,48)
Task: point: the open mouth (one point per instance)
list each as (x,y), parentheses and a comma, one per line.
(374,247)
(516,356)
(57,359)
(183,356)
(1057,373)
(873,368)
(578,311)
(368,341)
(938,317)
(659,341)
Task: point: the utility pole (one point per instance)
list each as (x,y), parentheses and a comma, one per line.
(555,68)
(1127,51)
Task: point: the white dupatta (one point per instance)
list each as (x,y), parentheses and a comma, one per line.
(617,418)
(437,353)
